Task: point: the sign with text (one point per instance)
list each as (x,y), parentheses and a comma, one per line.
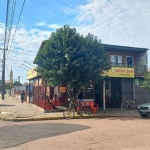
(120,72)
(31,74)
(62,89)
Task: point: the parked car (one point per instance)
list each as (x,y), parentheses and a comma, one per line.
(144,109)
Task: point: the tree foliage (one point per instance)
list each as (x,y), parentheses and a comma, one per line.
(17,83)
(9,85)
(146,82)
(69,59)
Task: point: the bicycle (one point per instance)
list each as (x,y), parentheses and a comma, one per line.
(83,110)
(129,103)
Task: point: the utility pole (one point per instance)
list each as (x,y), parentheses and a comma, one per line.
(3,74)
(4,53)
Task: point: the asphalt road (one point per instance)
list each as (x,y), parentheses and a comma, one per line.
(124,133)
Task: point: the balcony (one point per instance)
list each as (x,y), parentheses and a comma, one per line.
(138,69)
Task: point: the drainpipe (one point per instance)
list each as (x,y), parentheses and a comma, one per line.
(133,89)
(45,99)
(104,96)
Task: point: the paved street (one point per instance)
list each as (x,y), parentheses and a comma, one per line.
(123,133)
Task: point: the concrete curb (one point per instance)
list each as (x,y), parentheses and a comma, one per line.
(59,117)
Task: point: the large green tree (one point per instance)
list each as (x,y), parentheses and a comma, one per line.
(69,59)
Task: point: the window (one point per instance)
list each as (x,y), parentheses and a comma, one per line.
(116,60)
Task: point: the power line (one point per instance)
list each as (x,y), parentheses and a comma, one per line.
(16,28)
(11,19)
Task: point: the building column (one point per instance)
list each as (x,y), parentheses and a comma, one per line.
(104,96)
(38,91)
(29,91)
(45,96)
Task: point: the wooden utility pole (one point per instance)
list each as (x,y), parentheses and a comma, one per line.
(3,74)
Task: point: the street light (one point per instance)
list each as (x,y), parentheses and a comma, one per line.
(26,66)
(29,64)
(23,68)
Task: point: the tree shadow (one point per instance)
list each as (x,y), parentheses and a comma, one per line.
(20,134)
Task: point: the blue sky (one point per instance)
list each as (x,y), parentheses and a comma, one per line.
(117,22)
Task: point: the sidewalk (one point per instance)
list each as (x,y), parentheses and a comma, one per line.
(13,110)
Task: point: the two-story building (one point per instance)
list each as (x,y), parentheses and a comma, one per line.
(128,66)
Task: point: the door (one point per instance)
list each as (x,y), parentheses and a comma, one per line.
(129,61)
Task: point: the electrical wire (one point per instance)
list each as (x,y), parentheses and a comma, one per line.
(16,29)
(7,71)
(6,24)
(12,11)
(11,4)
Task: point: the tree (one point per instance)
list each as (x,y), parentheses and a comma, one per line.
(69,59)
(146,82)
(17,83)
(7,86)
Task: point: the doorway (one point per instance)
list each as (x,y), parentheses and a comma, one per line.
(116,92)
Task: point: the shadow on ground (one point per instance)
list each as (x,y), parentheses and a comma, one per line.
(20,134)
(5,105)
(125,118)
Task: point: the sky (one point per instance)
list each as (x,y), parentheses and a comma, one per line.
(115,22)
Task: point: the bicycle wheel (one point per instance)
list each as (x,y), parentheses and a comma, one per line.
(68,113)
(86,112)
(124,105)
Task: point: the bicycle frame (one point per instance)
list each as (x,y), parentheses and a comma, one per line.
(131,103)
(83,110)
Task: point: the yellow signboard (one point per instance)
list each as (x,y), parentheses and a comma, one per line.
(31,74)
(120,72)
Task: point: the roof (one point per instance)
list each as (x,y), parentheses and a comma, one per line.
(123,48)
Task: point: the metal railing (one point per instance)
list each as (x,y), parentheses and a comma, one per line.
(138,69)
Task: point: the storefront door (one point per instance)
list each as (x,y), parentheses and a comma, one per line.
(116,92)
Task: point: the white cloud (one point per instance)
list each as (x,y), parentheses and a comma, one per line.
(71,10)
(54,26)
(116,22)
(25,47)
(51,26)
(41,24)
